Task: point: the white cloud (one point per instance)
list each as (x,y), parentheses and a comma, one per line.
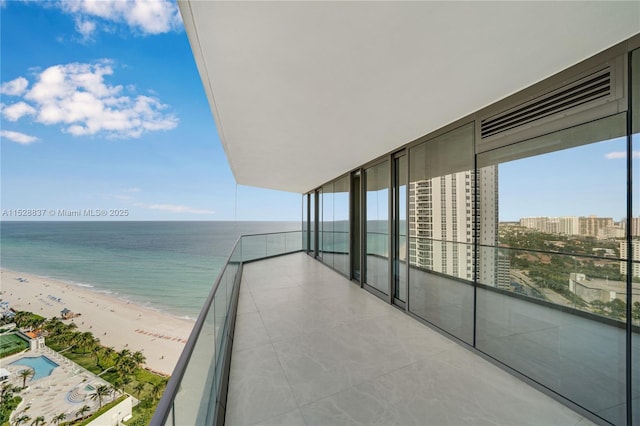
(18,137)
(18,110)
(617,155)
(144,16)
(86,27)
(14,87)
(76,97)
(173,208)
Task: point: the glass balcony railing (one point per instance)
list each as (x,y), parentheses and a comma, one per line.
(196,392)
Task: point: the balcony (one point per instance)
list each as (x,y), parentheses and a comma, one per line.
(312,348)
(308,346)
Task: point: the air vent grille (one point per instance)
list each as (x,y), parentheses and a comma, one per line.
(586,90)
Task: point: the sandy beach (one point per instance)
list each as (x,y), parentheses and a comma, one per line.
(160,337)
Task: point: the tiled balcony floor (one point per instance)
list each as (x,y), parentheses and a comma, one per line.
(311,348)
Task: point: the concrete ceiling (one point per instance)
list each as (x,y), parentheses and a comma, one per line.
(303,92)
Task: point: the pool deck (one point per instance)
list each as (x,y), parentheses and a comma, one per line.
(47,396)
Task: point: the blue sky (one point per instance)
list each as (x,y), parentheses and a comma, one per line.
(582,181)
(102,108)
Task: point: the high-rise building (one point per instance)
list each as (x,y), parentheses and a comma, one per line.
(569,225)
(441,225)
(594,226)
(305,94)
(635,255)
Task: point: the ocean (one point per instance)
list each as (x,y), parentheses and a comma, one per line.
(169,266)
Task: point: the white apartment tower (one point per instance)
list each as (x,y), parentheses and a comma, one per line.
(635,250)
(442,225)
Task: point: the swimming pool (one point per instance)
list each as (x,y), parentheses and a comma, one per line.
(42,366)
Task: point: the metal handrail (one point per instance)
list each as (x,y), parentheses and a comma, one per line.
(167,401)
(168,397)
(270,233)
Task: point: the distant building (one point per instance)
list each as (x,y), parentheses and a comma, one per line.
(635,226)
(594,226)
(635,251)
(591,289)
(442,224)
(569,225)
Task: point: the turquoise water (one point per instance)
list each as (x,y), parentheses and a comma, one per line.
(169,266)
(42,366)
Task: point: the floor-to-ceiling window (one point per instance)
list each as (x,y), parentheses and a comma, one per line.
(441,251)
(312,223)
(305,222)
(634,231)
(341,225)
(399,231)
(327,224)
(377,226)
(561,206)
(334,227)
(525,247)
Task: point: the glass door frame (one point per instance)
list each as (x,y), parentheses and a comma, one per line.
(394,240)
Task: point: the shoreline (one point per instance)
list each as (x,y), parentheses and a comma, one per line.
(116,322)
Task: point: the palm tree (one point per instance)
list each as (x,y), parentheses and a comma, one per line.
(72,338)
(125,365)
(81,412)
(107,352)
(24,375)
(86,341)
(60,417)
(21,419)
(124,353)
(139,387)
(138,357)
(21,318)
(125,381)
(100,392)
(157,389)
(7,392)
(38,421)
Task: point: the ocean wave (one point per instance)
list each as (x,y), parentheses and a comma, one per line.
(83,285)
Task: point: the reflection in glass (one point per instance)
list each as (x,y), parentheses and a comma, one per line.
(327,225)
(441,252)
(377,226)
(341,225)
(635,230)
(400,229)
(305,222)
(561,201)
(312,223)
(356,223)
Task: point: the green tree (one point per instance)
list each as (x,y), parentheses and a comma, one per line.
(157,389)
(617,308)
(139,387)
(635,311)
(24,375)
(100,392)
(23,418)
(6,393)
(38,421)
(59,418)
(139,358)
(81,412)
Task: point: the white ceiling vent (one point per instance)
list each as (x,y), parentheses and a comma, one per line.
(590,95)
(579,93)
